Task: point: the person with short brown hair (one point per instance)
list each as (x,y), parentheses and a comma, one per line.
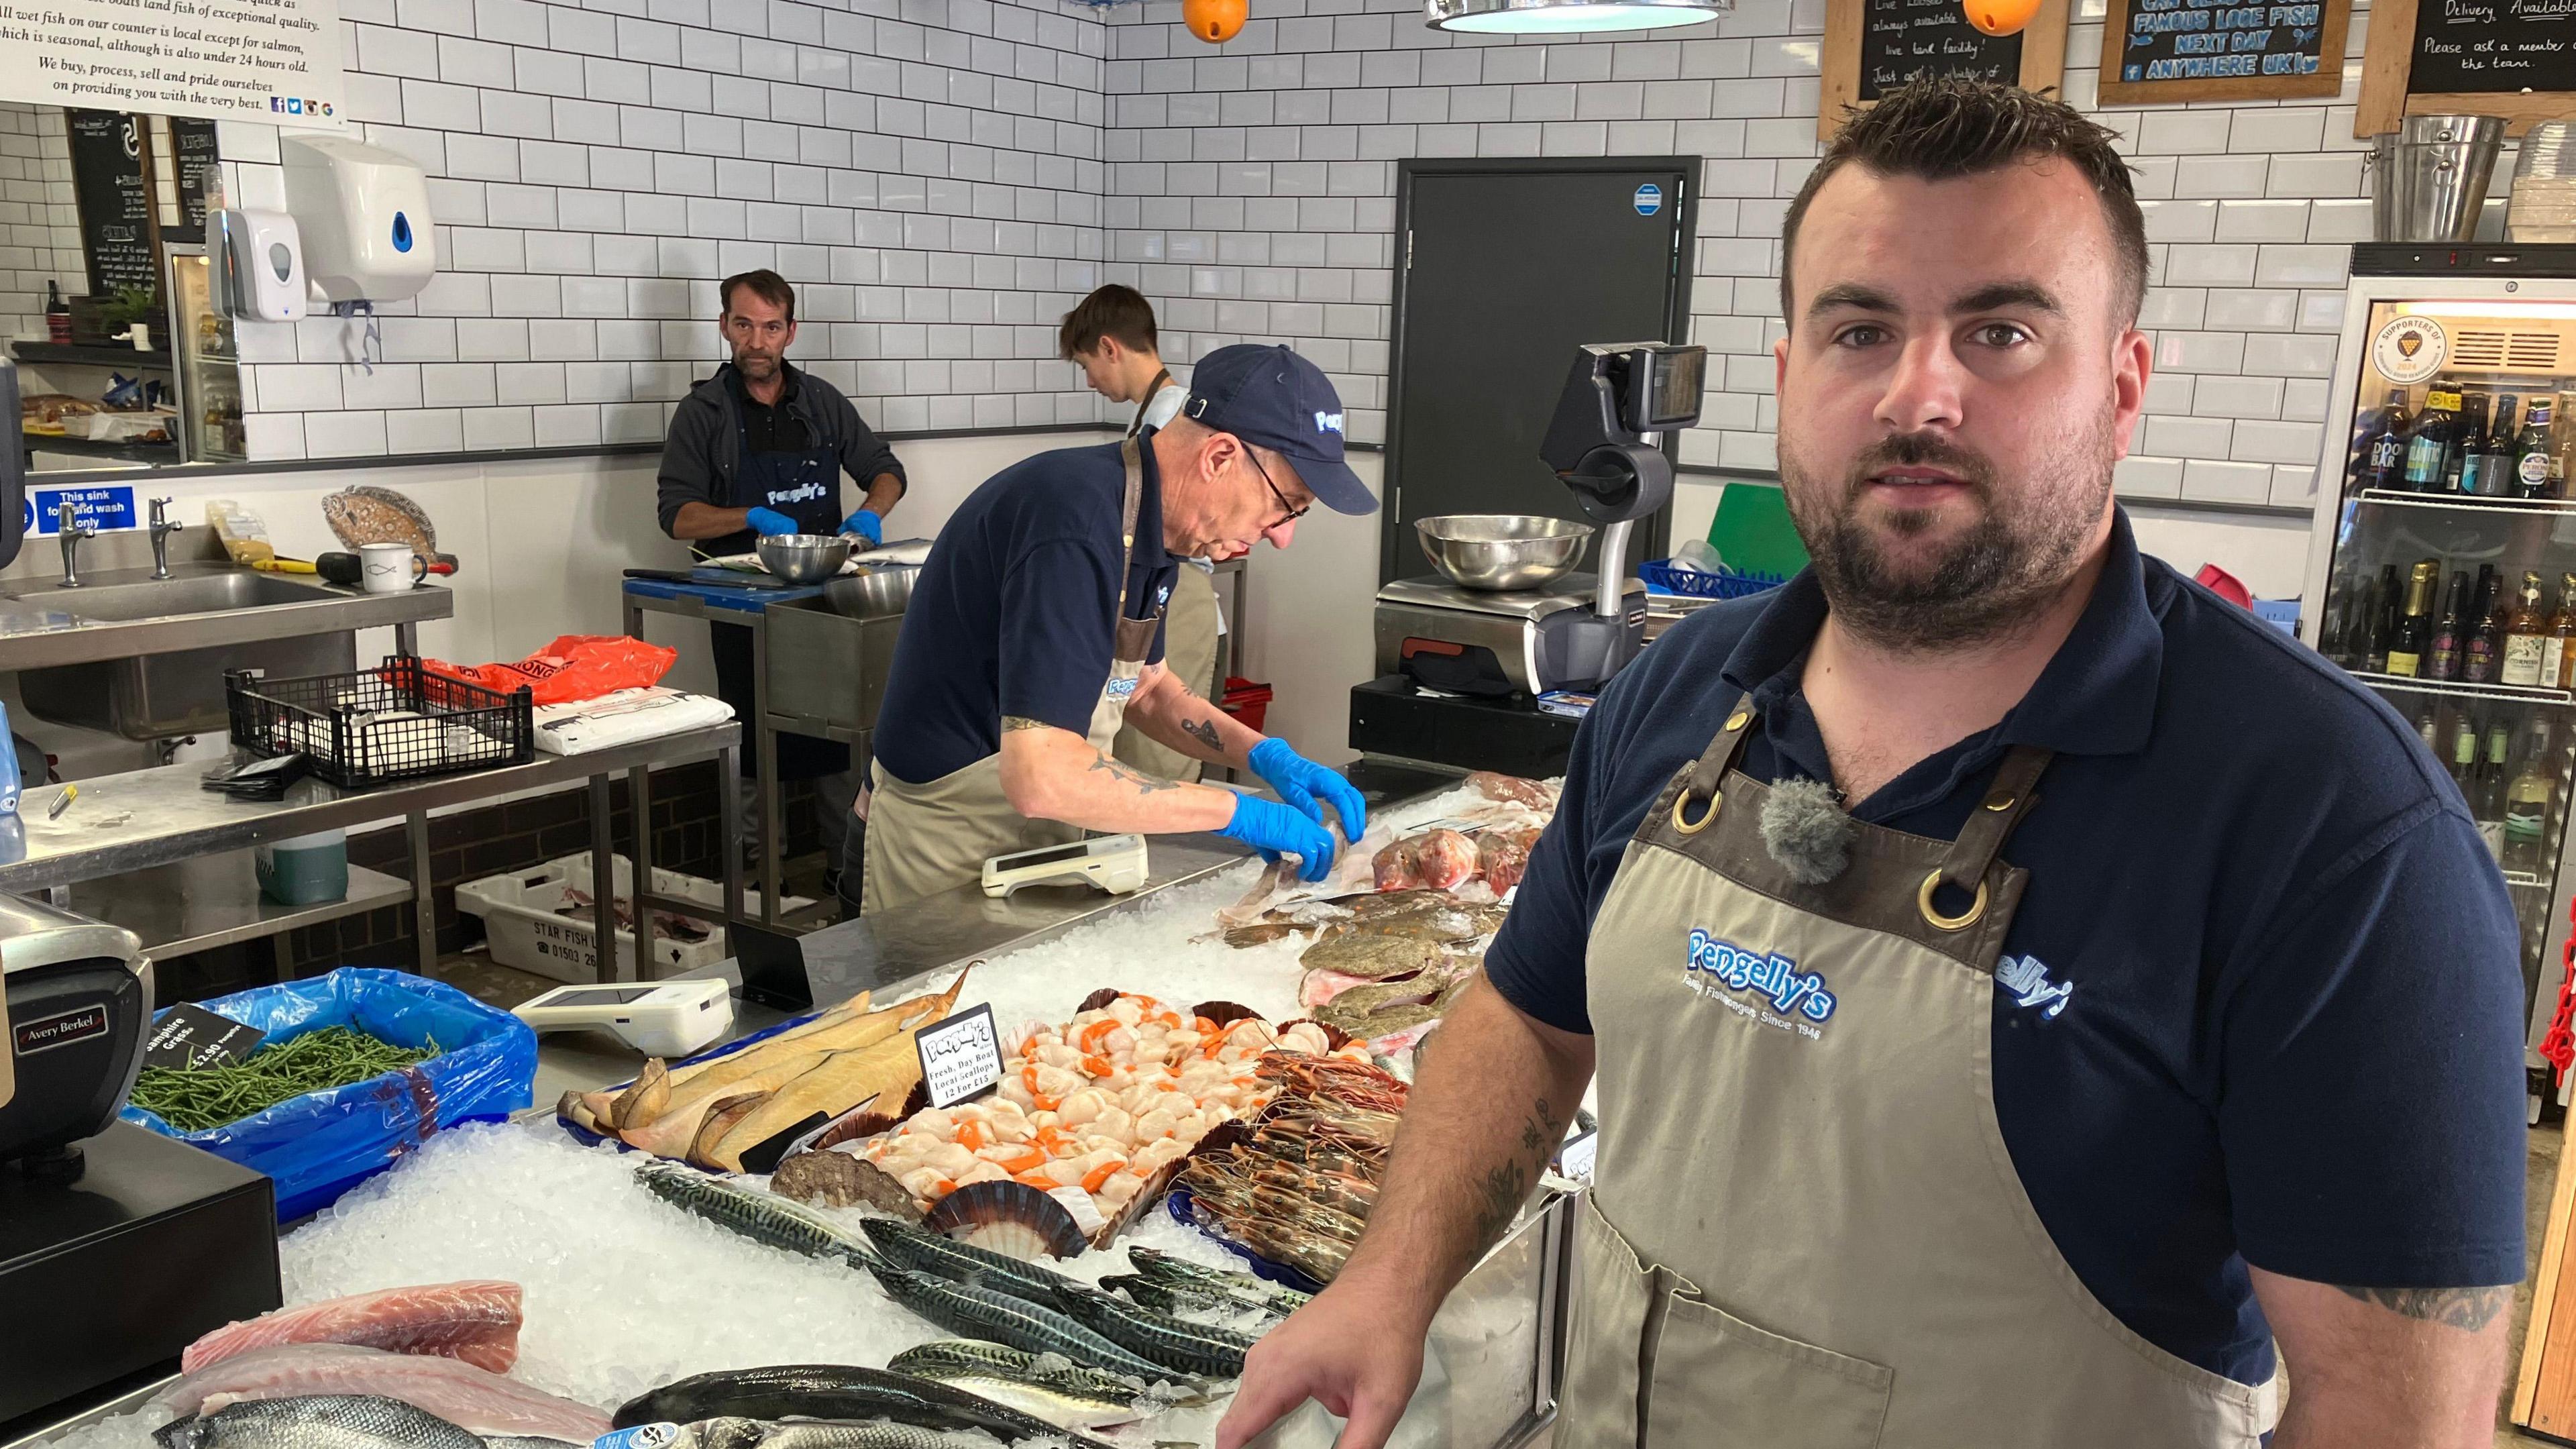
(2030,1000)
(1111,336)
(760,448)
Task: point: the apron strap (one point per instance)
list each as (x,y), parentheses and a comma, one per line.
(1991,823)
(1127,507)
(1152,390)
(1720,756)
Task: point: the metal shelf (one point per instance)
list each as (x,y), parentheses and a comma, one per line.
(214,900)
(2518,693)
(2531,880)
(131,451)
(90,354)
(2401,498)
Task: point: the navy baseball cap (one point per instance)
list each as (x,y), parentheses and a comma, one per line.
(1271,397)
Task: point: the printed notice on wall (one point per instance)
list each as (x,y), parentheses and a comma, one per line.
(230,60)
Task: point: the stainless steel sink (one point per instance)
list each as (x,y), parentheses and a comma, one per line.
(145,658)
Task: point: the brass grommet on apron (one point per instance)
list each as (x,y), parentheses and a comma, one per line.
(1681,808)
(1923,901)
(1738,720)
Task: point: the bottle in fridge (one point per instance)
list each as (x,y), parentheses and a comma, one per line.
(2527,803)
(2526,636)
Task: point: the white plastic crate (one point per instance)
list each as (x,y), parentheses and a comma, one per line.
(519,919)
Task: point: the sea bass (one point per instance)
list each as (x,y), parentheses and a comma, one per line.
(476,1321)
(831,1391)
(473,1399)
(329,1421)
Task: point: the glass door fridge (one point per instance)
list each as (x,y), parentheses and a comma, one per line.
(2442,558)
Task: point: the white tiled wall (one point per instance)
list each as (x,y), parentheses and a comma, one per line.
(1251,193)
(39,221)
(927,172)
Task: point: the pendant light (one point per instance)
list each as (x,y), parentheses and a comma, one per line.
(1568,17)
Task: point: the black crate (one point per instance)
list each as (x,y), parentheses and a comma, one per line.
(441,725)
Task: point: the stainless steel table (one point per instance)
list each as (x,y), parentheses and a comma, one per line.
(161,817)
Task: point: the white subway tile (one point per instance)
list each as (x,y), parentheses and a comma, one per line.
(424,430)
(2269,442)
(2244,397)
(489,429)
(2138,477)
(2218,482)
(2263,221)
(2290,354)
(2185,437)
(2252,311)
(2294,487)
(344,435)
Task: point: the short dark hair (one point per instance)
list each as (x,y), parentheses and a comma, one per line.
(1951,126)
(765,284)
(1112,311)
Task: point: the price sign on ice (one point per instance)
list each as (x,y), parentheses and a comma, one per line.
(960,1057)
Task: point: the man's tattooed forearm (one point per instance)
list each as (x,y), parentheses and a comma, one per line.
(1506,1185)
(1203,731)
(1145,784)
(2468,1309)
(1012,722)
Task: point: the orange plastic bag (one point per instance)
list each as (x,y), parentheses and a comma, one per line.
(574,667)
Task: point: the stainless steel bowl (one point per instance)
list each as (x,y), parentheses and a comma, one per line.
(1501,550)
(872,592)
(804,558)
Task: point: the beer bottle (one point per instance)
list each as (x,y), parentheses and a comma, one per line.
(2495,477)
(2562,631)
(2484,641)
(2428,445)
(2442,661)
(2415,626)
(2380,461)
(2533,463)
(2526,635)
(2527,801)
(2487,806)
(2468,456)
(2464,756)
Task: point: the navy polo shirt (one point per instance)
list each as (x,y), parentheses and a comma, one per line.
(2265,995)
(1011,615)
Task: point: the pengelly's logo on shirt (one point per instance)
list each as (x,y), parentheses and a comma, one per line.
(798,494)
(1721,971)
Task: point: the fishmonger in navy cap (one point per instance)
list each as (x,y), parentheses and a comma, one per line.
(1035,633)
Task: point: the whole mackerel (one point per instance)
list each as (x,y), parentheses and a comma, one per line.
(741,1433)
(992,1314)
(1154,1263)
(831,1391)
(1192,1348)
(763,1217)
(323,1421)
(941,1256)
(952,1360)
(1174,1297)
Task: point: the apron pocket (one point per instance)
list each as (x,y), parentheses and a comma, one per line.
(1718,1382)
(1598,1403)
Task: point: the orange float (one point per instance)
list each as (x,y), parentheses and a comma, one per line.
(2000,17)
(1215,21)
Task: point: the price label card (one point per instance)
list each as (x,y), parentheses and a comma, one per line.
(191,1038)
(960,1057)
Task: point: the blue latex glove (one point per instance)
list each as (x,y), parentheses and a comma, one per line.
(770,520)
(1299,780)
(866,525)
(1275,830)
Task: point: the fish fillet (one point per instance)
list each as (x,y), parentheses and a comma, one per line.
(468,1397)
(804,1039)
(841,1081)
(477,1321)
(670,1134)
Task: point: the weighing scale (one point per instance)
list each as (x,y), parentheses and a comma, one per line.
(659,1019)
(1459,667)
(1113,863)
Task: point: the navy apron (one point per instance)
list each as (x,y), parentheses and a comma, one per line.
(804,484)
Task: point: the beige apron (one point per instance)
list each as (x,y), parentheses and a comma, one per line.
(1806,1231)
(924,839)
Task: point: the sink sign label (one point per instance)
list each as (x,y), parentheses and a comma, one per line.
(110,508)
(1649,199)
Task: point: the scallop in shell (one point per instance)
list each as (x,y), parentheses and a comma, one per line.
(1008,1217)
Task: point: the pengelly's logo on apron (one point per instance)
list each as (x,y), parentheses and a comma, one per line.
(1720,971)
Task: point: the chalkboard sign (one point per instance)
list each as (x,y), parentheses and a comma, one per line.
(2515,59)
(108,159)
(2222,50)
(1874,46)
(192,150)
(1902,40)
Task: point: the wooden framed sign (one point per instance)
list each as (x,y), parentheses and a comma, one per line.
(1874,46)
(2514,59)
(2221,50)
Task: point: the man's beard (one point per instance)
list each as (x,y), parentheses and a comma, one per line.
(756,364)
(1988,583)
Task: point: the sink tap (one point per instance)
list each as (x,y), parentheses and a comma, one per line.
(72,528)
(162,528)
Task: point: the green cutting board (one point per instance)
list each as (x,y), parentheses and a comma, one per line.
(1752,531)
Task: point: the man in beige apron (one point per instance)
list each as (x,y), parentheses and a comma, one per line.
(2021,987)
(1007,689)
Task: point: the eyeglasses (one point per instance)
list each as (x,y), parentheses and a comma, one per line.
(1294,512)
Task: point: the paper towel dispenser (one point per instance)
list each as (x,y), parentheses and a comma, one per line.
(363,215)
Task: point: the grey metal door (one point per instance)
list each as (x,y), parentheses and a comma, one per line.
(1502,269)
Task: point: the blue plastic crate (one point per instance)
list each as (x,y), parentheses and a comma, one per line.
(1662,578)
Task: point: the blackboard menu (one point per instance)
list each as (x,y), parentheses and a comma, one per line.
(2222,40)
(2468,46)
(115,203)
(1903,39)
(192,144)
